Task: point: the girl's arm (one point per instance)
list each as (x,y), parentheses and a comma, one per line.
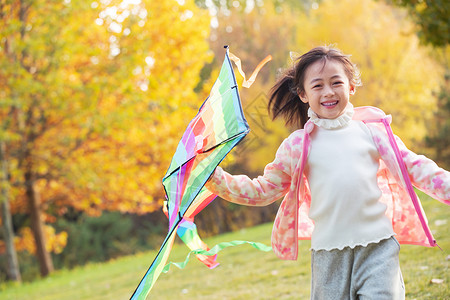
(259,191)
(425,174)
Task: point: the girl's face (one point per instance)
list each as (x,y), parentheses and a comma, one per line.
(327,89)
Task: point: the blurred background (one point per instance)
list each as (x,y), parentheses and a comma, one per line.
(95,95)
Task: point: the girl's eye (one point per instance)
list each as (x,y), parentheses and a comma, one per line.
(317,86)
(338,82)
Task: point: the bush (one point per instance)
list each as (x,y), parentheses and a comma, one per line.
(95,239)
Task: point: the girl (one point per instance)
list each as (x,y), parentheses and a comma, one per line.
(346,181)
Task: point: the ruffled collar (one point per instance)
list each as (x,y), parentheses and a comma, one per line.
(339,122)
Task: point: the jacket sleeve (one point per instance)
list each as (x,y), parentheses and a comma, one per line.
(259,191)
(425,174)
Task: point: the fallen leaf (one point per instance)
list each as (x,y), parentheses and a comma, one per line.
(440,222)
(437,281)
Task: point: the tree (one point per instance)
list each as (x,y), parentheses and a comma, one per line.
(433,27)
(13,270)
(431,18)
(94,100)
(439,130)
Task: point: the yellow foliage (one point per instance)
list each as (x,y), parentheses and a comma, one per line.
(109,89)
(25,242)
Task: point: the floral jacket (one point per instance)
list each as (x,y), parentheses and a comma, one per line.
(399,170)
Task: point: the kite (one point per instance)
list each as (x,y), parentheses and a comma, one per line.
(217,128)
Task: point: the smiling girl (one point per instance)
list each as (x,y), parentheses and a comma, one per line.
(347,183)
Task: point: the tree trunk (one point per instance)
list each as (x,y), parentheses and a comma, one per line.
(37,225)
(13,270)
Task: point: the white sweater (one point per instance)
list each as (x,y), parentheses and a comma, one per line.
(341,171)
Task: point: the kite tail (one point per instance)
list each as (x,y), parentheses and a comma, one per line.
(216,249)
(187,231)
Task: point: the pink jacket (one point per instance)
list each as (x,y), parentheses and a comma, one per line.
(399,170)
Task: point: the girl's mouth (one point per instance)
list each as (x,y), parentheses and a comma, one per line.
(329,103)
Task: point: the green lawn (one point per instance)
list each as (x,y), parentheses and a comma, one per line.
(244,273)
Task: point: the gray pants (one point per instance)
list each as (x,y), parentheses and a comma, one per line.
(371,272)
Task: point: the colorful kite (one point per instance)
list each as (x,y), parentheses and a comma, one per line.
(218,126)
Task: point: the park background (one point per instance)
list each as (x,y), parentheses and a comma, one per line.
(94,97)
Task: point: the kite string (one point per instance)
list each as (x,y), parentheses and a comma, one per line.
(216,249)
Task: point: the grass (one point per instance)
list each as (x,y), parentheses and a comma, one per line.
(244,273)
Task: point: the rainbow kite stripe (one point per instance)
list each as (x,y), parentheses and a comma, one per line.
(218,126)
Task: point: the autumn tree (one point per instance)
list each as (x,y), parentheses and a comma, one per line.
(433,28)
(439,130)
(13,271)
(95,95)
(431,18)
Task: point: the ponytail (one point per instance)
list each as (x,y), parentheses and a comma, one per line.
(284,101)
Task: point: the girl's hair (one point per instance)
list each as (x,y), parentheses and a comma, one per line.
(284,99)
